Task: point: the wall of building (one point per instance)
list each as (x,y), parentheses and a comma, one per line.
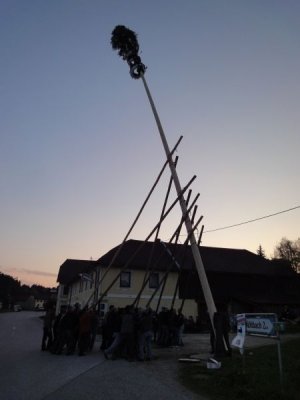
(120,296)
(85,292)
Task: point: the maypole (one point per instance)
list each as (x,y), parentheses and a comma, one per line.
(125,41)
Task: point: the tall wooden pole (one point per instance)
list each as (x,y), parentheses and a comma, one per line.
(211,308)
(125,41)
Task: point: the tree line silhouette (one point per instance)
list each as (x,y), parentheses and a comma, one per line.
(12,291)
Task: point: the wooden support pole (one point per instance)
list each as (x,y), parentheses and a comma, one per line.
(200,236)
(137,299)
(97,286)
(175,235)
(148,237)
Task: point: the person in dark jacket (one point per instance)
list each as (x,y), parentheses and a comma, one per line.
(85,328)
(145,336)
(108,328)
(116,322)
(94,327)
(163,328)
(56,330)
(179,328)
(222,327)
(73,329)
(65,331)
(47,339)
(127,333)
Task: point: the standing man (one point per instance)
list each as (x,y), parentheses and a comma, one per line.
(47,339)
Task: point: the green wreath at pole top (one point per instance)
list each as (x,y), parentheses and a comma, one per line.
(125,41)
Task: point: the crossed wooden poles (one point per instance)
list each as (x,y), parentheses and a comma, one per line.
(125,41)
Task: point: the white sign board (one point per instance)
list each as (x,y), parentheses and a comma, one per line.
(261,324)
(254,324)
(239,339)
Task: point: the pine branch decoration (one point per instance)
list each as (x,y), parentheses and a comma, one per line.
(125,41)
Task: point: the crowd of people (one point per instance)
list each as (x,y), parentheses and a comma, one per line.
(72,329)
(126,332)
(130,332)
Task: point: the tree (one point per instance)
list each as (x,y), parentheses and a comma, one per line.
(11,291)
(9,288)
(260,252)
(289,250)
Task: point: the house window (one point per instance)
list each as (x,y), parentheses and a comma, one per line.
(125,279)
(65,290)
(153,280)
(103,309)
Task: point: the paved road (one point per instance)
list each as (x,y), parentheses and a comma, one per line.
(26,373)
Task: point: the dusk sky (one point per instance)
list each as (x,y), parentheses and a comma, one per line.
(79,148)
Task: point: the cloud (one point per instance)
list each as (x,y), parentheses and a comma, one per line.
(13,270)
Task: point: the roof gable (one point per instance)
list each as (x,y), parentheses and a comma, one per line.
(69,271)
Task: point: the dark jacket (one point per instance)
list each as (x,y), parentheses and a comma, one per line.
(146,323)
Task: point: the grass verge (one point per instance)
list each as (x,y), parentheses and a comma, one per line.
(255,377)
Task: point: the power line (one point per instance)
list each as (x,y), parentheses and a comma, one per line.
(252,220)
